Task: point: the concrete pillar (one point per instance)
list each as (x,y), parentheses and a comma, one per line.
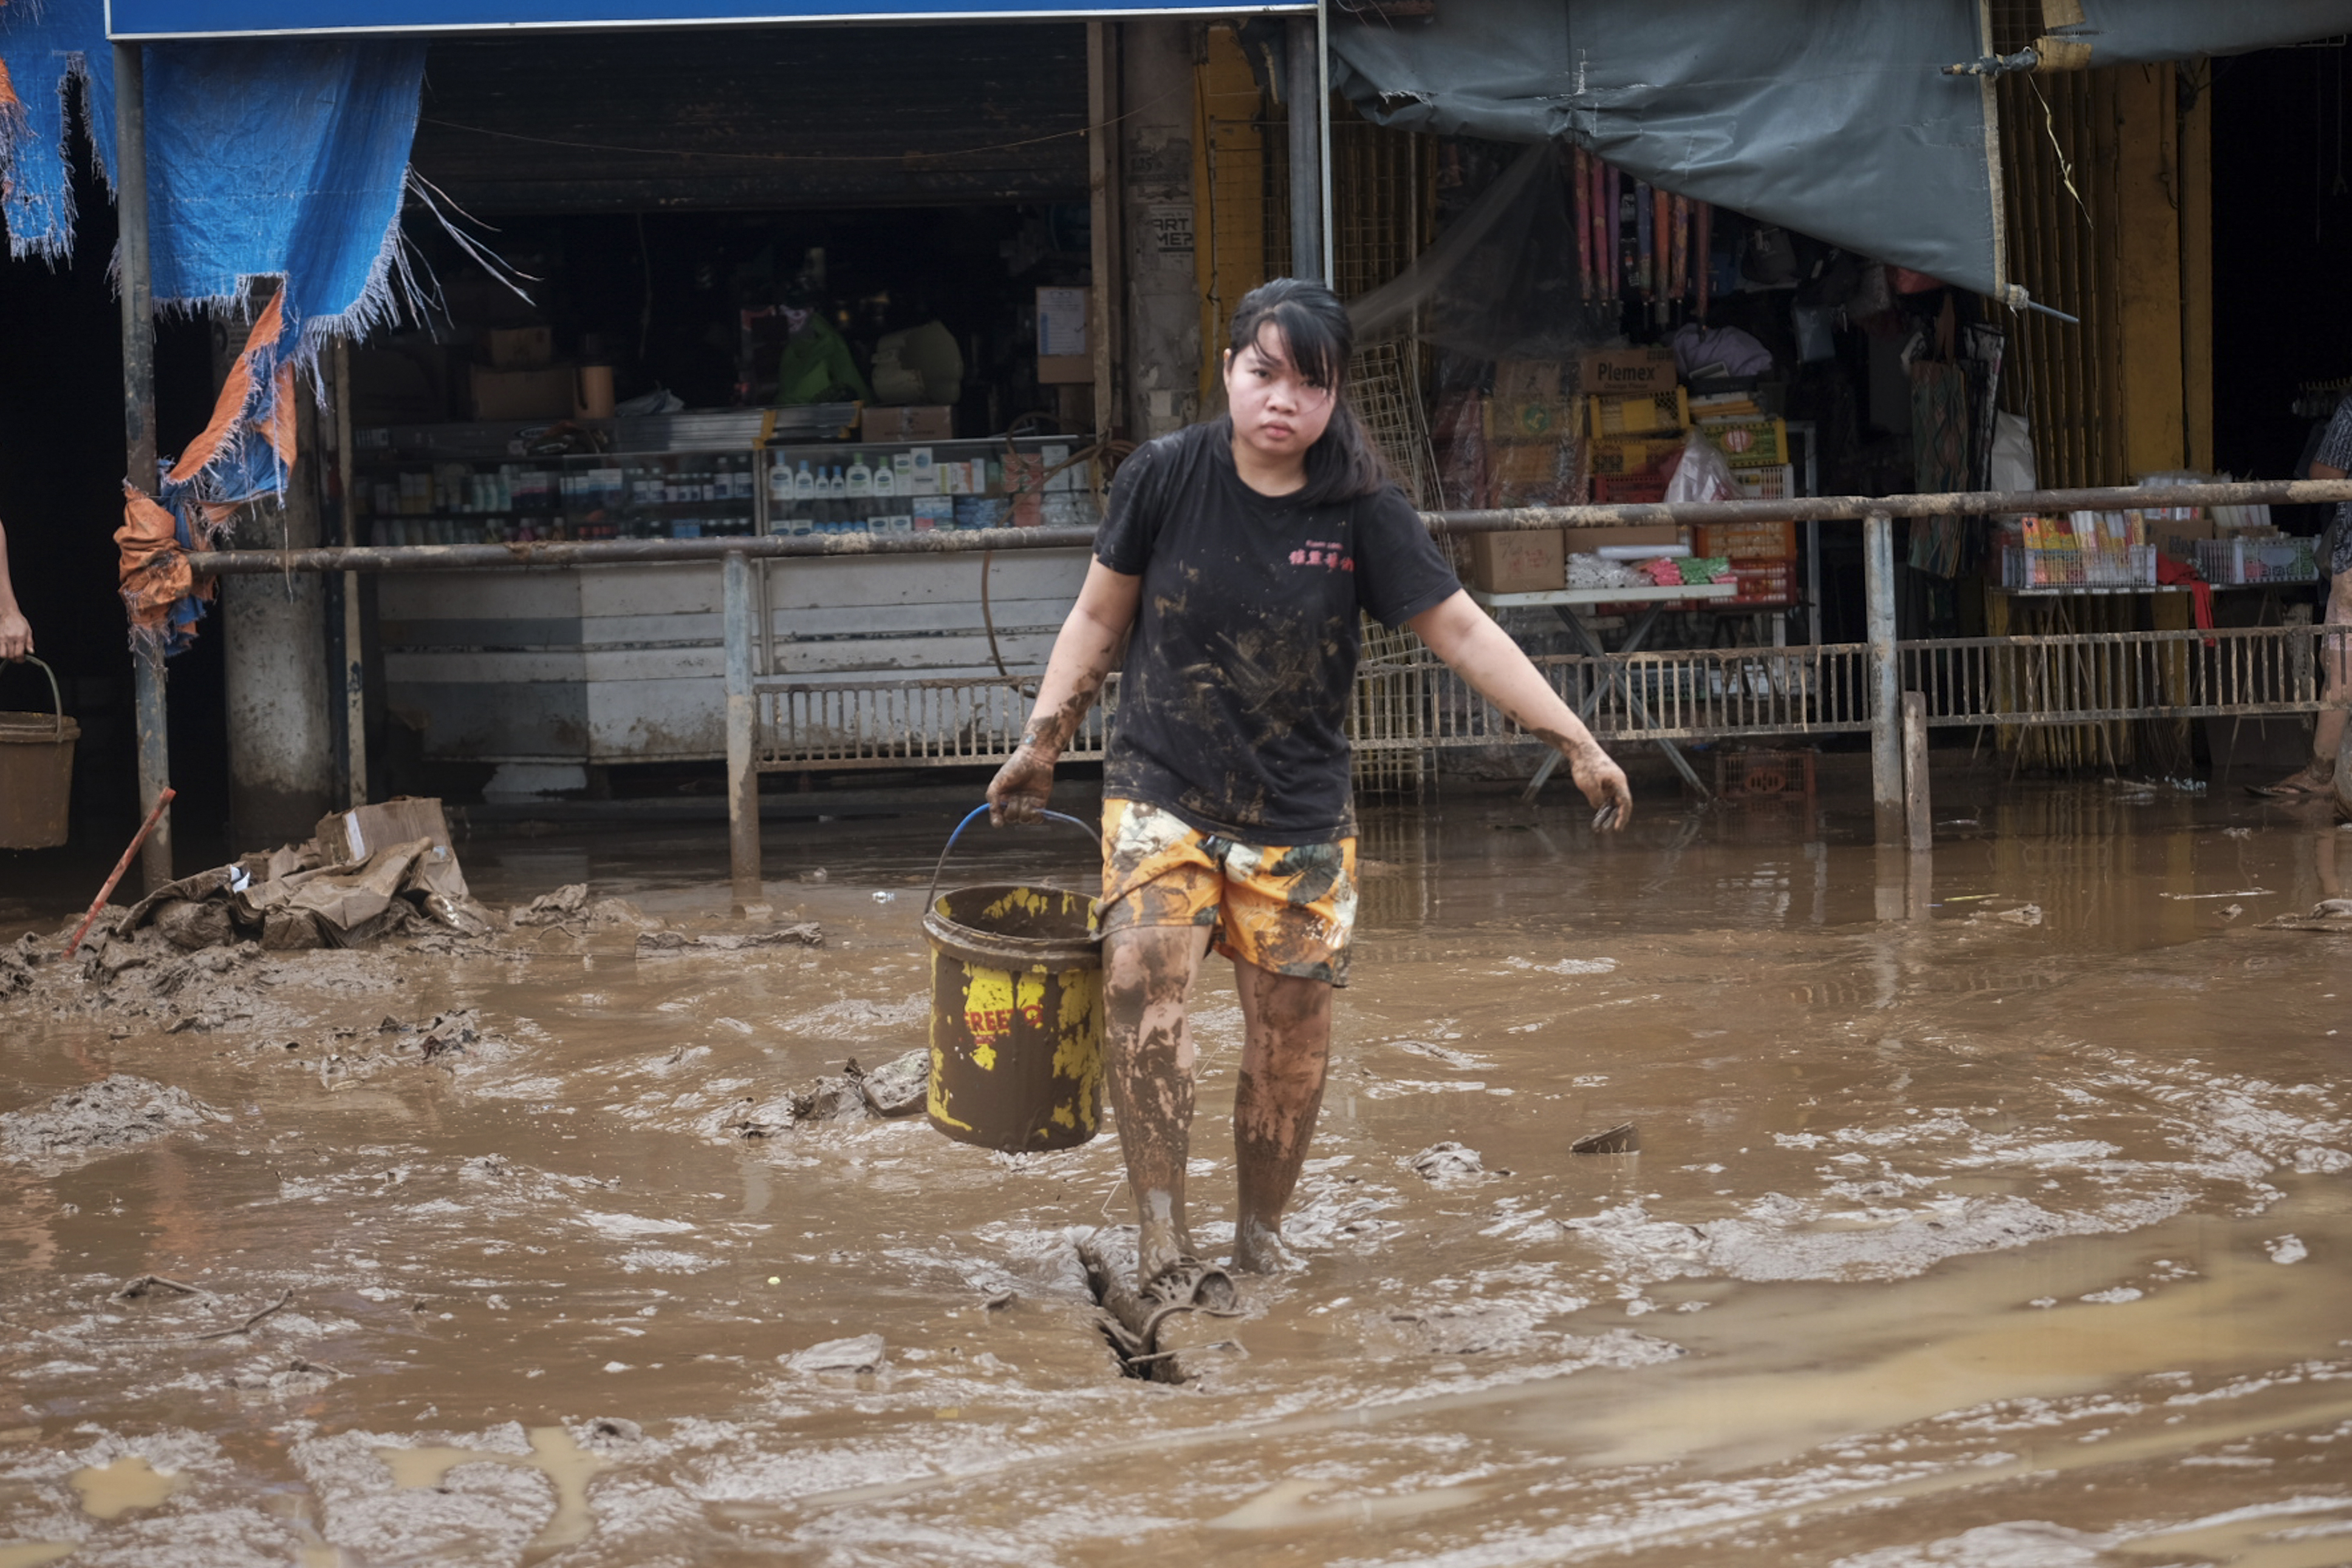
(1164,301)
(1886,679)
(281,754)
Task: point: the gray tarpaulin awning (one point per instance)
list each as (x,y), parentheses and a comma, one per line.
(1830,117)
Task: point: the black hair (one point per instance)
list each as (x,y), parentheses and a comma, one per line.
(1318,340)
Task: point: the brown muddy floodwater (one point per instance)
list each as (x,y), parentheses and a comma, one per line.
(2017,1233)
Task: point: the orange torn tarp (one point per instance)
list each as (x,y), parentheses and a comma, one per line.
(274,421)
(246,452)
(155,574)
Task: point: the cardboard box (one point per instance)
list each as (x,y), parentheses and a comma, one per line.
(1585,541)
(916,421)
(1529,562)
(1530,419)
(520,347)
(1617,372)
(1526,380)
(348,838)
(1064,356)
(1641,414)
(522,394)
(1747,541)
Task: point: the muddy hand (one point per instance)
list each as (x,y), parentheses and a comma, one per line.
(1603,783)
(1021,788)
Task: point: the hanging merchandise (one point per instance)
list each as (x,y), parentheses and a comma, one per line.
(1770,256)
(1615,285)
(1646,276)
(1679,219)
(1599,229)
(1491,287)
(1580,163)
(1703,251)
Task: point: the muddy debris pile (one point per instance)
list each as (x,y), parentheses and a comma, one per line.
(570,909)
(367,873)
(116,1112)
(899,1087)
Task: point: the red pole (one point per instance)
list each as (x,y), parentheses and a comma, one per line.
(120,866)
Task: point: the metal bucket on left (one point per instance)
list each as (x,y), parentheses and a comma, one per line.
(36,752)
(1016,1013)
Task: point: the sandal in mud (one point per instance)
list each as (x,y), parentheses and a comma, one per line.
(1187,1285)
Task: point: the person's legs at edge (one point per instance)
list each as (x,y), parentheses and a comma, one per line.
(1147,971)
(2316,776)
(1286,1050)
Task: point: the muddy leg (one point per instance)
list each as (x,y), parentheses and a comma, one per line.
(1284,1055)
(1147,972)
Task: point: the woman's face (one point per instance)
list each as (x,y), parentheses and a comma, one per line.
(1277,411)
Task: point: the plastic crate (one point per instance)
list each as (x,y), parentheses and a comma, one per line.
(1747,542)
(1747,775)
(1750,442)
(1764,584)
(1628,489)
(2126,566)
(1639,414)
(2243,560)
(1633,454)
(1774,483)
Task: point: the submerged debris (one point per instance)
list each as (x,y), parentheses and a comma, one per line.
(1621,1139)
(863,1354)
(899,1087)
(1447,1161)
(666,944)
(116,1112)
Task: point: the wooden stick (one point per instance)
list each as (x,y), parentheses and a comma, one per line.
(120,866)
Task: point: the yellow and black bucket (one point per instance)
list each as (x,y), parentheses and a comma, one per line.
(1016,1011)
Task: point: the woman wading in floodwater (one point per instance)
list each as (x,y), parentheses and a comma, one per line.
(1241,552)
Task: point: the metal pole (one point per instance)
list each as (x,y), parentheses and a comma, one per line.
(1104,196)
(1886,679)
(1813,580)
(742,763)
(151,716)
(354,671)
(1918,814)
(1303,73)
(1323,137)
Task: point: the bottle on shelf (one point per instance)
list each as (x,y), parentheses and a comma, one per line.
(779,481)
(861,478)
(886,479)
(804,483)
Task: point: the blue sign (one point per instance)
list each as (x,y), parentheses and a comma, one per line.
(136,19)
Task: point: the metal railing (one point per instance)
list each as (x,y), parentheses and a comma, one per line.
(1411,703)
(1663,696)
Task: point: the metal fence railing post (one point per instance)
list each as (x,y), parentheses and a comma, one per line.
(742,759)
(1886,679)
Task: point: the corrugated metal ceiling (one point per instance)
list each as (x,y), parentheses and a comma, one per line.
(743,120)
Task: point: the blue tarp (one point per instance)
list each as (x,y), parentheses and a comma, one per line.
(1830,117)
(286,159)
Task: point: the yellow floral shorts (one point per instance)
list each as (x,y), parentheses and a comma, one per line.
(1288,910)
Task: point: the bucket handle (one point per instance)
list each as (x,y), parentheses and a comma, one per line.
(931,897)
(57,703)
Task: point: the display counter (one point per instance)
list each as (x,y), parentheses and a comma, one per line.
(551,671)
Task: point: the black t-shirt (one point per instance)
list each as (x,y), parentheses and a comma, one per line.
(1232,704)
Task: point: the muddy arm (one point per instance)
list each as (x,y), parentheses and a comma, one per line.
(1073,675)
(1483,654)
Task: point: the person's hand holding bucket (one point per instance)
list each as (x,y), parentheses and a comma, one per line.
(1018,794)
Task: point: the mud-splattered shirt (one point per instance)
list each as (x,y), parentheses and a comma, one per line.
(1232,704)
